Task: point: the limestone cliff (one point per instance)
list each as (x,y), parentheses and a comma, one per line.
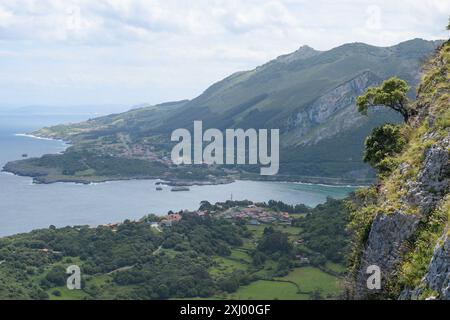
(402,224)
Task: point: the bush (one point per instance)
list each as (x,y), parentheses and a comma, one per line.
(56,293)
(56,277)
(384,142)
(275,242)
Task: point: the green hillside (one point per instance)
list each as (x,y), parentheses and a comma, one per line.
(201,256)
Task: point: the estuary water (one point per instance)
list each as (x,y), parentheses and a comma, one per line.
(25,206)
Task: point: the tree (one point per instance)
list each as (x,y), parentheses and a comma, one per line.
(56,277)
(268,230)
(316,294)
(56,293)
(258,258)
(385,141)
(391,93)
(275,242)
(163,291)
(205,205)
(229,284)
(448,27)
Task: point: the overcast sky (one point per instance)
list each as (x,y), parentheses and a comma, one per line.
(63,52)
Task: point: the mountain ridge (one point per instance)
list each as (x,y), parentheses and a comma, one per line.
(317,87)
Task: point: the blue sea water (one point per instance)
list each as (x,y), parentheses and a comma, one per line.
(25,206)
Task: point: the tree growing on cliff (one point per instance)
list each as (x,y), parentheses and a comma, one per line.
(391,93)
(384,142)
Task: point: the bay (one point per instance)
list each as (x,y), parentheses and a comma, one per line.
(25,206)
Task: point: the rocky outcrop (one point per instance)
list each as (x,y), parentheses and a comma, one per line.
(304,52)
(383,248)
(336,109)
(414,203)
(339,98)
(433,180)
(389,233)
(438,276)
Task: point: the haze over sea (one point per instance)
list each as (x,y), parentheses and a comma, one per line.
(25,206)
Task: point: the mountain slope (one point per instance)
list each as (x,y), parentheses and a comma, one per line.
(309,95)
(402,225)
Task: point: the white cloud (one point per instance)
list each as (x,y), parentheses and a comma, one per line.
(6,17)
(155,50)
(115,22)
(238,17)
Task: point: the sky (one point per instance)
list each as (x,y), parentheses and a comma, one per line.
(127,52)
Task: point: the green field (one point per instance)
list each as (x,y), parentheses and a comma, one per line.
(292,232)
(268,290)
(241,255)
(226,265)
(257,230)
(336,267)
(310,279)
(66,294)
(268,270)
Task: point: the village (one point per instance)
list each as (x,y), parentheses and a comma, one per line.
(254,215)
(251,215)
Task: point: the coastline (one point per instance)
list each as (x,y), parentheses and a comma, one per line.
(168,182)
(28,135)
(39,177)
(33,136)
(42,178)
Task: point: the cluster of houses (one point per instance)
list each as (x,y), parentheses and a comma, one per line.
(170,219)
(252,214)
(148,153)
(257,215)
(167,221)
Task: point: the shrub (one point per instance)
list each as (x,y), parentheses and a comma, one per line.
(384,142)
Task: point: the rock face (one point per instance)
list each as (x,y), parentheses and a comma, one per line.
(438,276)
(383,248)
(433,180)
(338,104)
(339,98)
(386,242)
(411,206)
